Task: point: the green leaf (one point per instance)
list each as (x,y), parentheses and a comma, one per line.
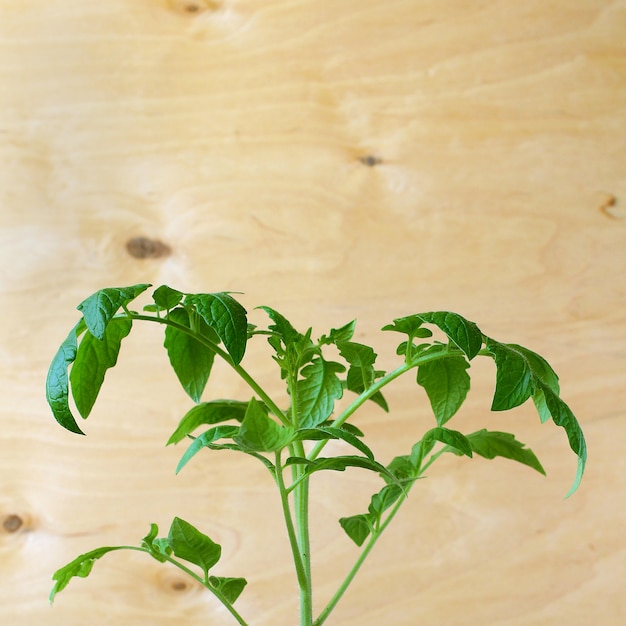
(100,308)
(514,379)
(490,444)
(212,412)
(93,358)
(321,433)
(357,354)
(189,544)
(384,499)
(282,327)
(57,381)
(446,382)
(339,464)
(344,333)
(463,333)
(542,370)
(403,469)
(226,317)
(317,391)
(190,359)
(410,325)
(80,567)
(356,383)
(205,440)
(159,549)
(361,375)
(357,527)
(260,433)
(454,440)
(563,417)
(522,373)
(166,297)
(230,588)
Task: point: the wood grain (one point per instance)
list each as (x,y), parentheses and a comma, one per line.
(332,160)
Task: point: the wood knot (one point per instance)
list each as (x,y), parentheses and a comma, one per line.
(144,248)
(370,160)
(609,207)
(178,585)
(194,6)
(12,523)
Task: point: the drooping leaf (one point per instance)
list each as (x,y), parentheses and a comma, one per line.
(80,567)
(454,440)
(317,391)
(230,588)
(93,358)
(522,373)
(491,444)
(542,370)
(514,380)
(357,527)
(190,359)
(322,432)
(205,440)
(340,464)
(212,412)
(167,298)
(463,333)
(447,383)
(563,417)
(236,447)
(189,544)
(260,433)
(100,308)
(226,317)
(57,381)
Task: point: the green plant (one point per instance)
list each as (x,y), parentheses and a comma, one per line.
(288,435)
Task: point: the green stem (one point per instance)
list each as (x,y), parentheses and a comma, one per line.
(291,531)
(301,506)
(375,536)
(203,581)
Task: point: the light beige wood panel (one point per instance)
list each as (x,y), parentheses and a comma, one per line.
(333,160)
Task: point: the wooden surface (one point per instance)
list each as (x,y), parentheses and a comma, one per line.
(332,160)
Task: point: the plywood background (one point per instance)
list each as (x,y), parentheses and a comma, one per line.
(332,160)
